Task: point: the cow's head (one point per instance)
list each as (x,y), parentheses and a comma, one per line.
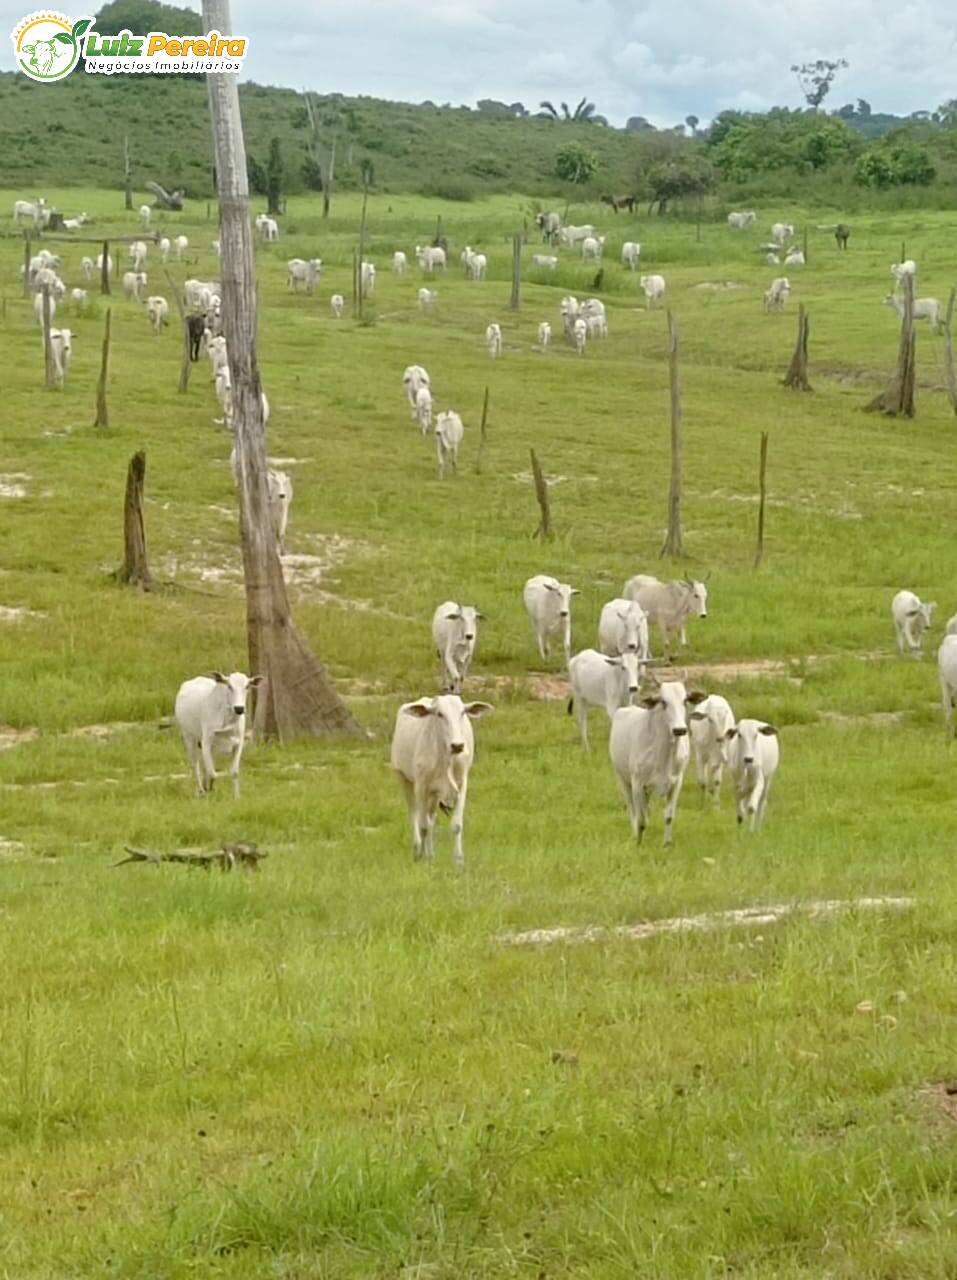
(449,713)
(628,663)
(237,688)
(745,733)
(672,700)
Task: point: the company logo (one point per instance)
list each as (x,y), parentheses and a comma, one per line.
(48,46)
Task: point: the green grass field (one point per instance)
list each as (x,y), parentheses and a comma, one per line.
(333,1069)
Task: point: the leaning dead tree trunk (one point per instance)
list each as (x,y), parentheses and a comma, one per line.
(135,570)
(102,409)
(899,398)
(762,498)
(299,697)
(949,369)
(127,172)
(544,529)
(674,543)
(516,298)
(796,376)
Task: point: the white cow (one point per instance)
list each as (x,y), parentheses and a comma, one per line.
(279,490)
(181,244)
(268,228)
(781,232)
(544,334)
(711,722)
(299,271)
(164,248)
(137,252)
(338,304)
(61,347)
(630,254)
(653,288)
(911,620)
(38,308)
(598,680)
(87,266)
(544,261)
(947,667)
(623,627)
(157,311)
(741,221)
(794,258)
(400,263)
(80,298)
(134,282)
(448,437)
(901,269)
(413,378)
(548,604)
(211,714)
(493,339)
(477,266)
(574,235)
(31,210)
(146,214)
(592,247)
(217,247)
(777,294)
(428,298)
(455,634)
(109,263)
(550,224)
(580,334)
(668,605)
(429,257)
(650,753)
(433,747)
(367,279)
(753,757)
(74,224)
(423,409)
(924,308)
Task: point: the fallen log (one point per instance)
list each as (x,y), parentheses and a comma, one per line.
(243,854)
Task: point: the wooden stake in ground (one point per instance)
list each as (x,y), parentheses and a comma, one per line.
(899,398)
(762,496)
(796,376)
(949,370)
(674,543)
(27,255)
(48,366)
(544,529)
(806,258)
(483,434)
(516,298)
(185,364)
(105,269)
(366,177)
(127,172)
(135,570)
(299,697)
(102,410)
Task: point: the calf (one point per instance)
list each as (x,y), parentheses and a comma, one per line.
(924,309)
(653,288)
(400,263)
(711,722)
(413,378)
(493,339)
(423,409)
(580,334)
(548,604)
(776,296)
(650,753)
(337,304)
(61,347)
(432,751)
(753,756)
(455,634)
(630,254)
(598,680)
(428,299)
(544,334)
(448,437)
(157,311)
(911,620)
(134,282)
(211,714)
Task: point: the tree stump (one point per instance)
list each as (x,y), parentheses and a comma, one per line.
(796,376)
(899,398)
(135,571)
(674,542)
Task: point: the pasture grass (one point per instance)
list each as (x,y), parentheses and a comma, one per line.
(331,1069)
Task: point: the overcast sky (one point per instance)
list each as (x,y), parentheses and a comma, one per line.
(662,59)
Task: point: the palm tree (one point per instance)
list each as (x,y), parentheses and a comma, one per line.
(584,113)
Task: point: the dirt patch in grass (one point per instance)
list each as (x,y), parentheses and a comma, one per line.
(301,569)
(875,719)
(716,286)
(943,1098)
(13,485)
(10,737)
(11,613)
(11,850)
(100,732)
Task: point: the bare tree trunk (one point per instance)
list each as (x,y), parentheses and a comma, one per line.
(483,434)
(806,258)
(185,363)
(544,529)
(796,376)
(27,255)
(674,544)
(516,299)
(356,293)
(762,496)
(45,320)
(299,697)
(899,398)
(102,411)
(105,269)
(949,351)
(135,570)
(362,243)
(127,172)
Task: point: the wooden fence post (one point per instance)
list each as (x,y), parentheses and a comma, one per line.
(102,409)
(949,370)
(135,570)
(127,172)
(544,529)
(516,298)
(806,258)
(45,319)
(674,542)
(762,495)
(796,376)
(483,435)
(105,269)
(899,400)
(27,255)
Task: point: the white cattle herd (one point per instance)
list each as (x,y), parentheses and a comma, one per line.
(656,725)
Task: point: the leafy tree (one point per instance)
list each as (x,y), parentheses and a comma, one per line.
(687,174)
(692,122)
(311,174)
(638,124)
(744,145)
(816,78)
(900,164)
(274,178)
(874,169)
(143,16)
(946,113)
(256,175)
(863,108)
(575,164)
(914,166)
(584,113)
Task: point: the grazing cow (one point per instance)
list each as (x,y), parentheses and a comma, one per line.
(299,271)
(196,327)
(429,257)
(620,202)
(279,490)
(367,279)
(338,304)
(924,309)
(493,339)
(432,751)
(776,296)
(842,233)
(794,258)
(653,288)
(623,628)
(134,282)
(109,263)
(592,247)
(428,299)
(87,266)
(400,263)
(80,298)
(598,680)
(61,347)
(550,224)
(710,724)
(413,378)
(630,253)
(545,261)
(580,334)
(448,437)
(741,221)
(423,409)
(137,253)
(211,714)
(157,312)
(32,210)
(782,232)
(753,756)
(573,235)
(268,228)
(164,248)
(668,605)
(650,753)
(947,667)
(146,214)
(911,620)
(181,244)
(455,633)
(548,604)
(544,334)
(74,224)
